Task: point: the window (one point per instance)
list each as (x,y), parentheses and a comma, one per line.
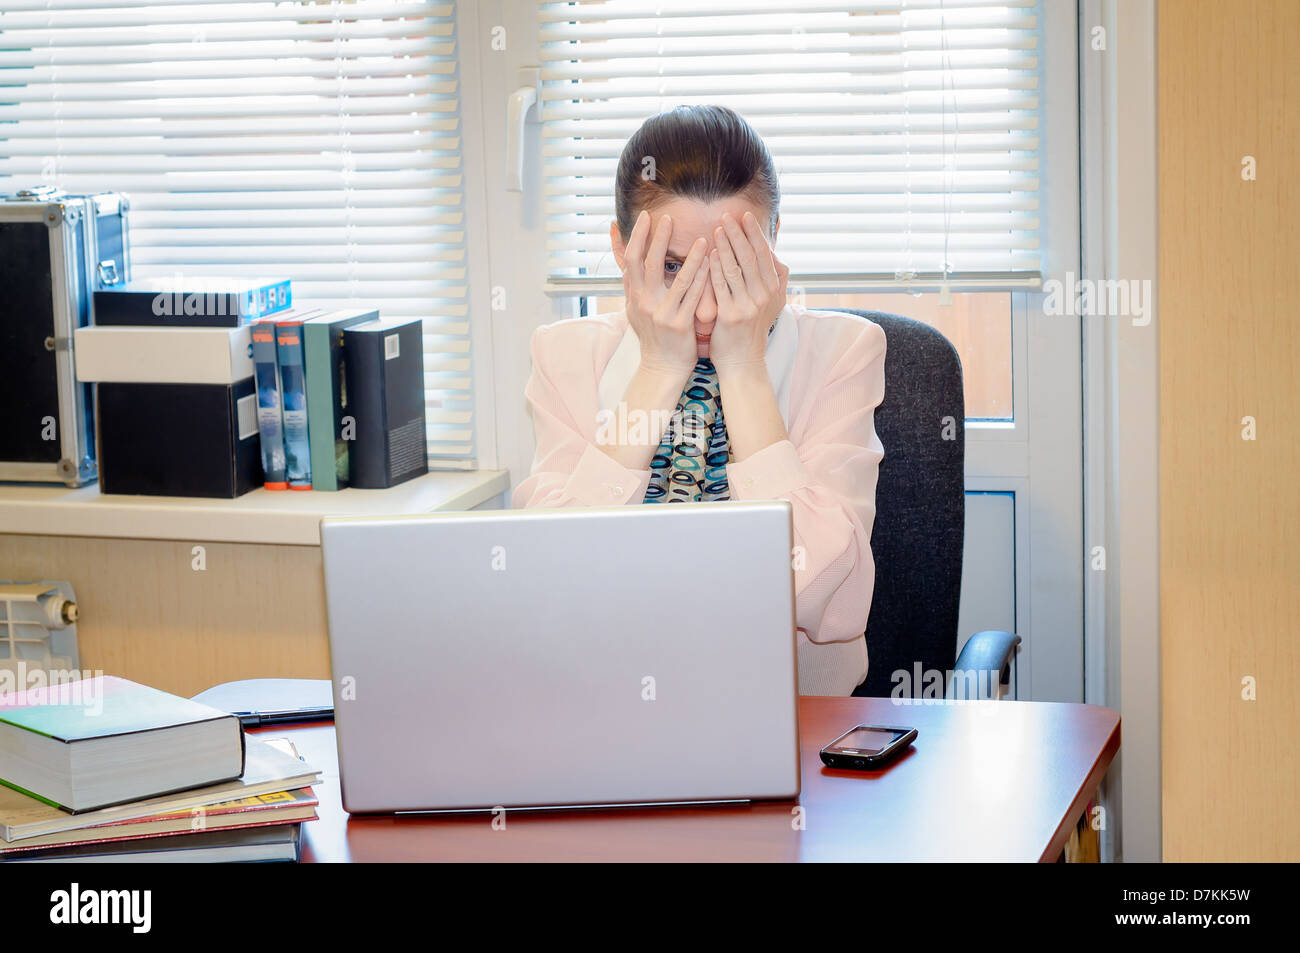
(905,135)
(1023,461)
(905,132)
(314,140)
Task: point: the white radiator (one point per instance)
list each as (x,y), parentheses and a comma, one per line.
(38,631)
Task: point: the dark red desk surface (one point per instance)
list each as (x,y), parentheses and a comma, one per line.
(984,781)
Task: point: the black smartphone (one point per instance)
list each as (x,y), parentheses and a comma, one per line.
(866,747)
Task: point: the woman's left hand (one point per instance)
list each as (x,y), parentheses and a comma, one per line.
(749,284)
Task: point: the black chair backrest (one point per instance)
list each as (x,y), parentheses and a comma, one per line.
(920,506)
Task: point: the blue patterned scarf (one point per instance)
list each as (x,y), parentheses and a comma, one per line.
(690,465)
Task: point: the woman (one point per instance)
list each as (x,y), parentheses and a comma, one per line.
(628,407)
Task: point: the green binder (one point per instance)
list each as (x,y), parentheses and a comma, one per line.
(327,394)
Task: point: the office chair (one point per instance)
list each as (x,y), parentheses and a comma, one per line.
(920,521)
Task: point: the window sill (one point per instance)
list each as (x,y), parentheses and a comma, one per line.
(279,517)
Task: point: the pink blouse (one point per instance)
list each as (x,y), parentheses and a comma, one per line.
(828,372)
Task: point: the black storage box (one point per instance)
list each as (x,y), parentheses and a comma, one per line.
(179,439)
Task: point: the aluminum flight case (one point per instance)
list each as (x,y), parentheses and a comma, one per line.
(55,250)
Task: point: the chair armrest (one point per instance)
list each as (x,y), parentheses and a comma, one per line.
(989,651)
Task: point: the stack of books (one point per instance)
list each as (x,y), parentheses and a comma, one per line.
(340,399)
(103,769)
(195,376)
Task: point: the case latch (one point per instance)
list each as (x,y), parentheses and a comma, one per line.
(39,192)
(108,272)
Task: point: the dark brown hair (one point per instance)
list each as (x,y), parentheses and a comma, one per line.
(699,152)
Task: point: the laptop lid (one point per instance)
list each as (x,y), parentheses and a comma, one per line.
(521,658)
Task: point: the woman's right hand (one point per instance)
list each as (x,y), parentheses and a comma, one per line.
(663,317)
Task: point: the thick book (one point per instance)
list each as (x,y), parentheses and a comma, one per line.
(293,397)
(260,843)
(101,741)
(328,429)
(270,405)
(385,375)
(269,767)
(284,807)
(192,302)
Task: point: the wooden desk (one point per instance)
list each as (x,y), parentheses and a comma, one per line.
(984,781)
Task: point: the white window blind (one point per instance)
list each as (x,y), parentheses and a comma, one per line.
(905,133)
(312,139)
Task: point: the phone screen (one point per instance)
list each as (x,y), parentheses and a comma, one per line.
(869,740)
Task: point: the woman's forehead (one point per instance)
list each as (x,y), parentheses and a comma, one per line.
(693,218)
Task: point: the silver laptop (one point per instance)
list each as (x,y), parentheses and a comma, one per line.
(547,658)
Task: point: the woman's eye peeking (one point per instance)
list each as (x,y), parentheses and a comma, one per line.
(671,268)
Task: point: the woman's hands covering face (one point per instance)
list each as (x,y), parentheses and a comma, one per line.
(663,318)
(749,283)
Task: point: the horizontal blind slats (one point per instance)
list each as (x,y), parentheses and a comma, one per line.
(443,10)
(890,260)
(245,68)
(916,62)
(155,16)
(230,161)
(811,24)
(239,111)
(826,124)
(916,180)
(306,29)
(789,148)
(207,146)
(879,221)
(567,171)
(316,141)
(910,104)
(252,50)
(181,131)
(785,84)
(738,44)
(305,198)
(644,9)
(906,136)
(175,90)
(267,180)
(800,205)
(176,224)
(386,235)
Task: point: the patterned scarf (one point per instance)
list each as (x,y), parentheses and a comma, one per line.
(690,465)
